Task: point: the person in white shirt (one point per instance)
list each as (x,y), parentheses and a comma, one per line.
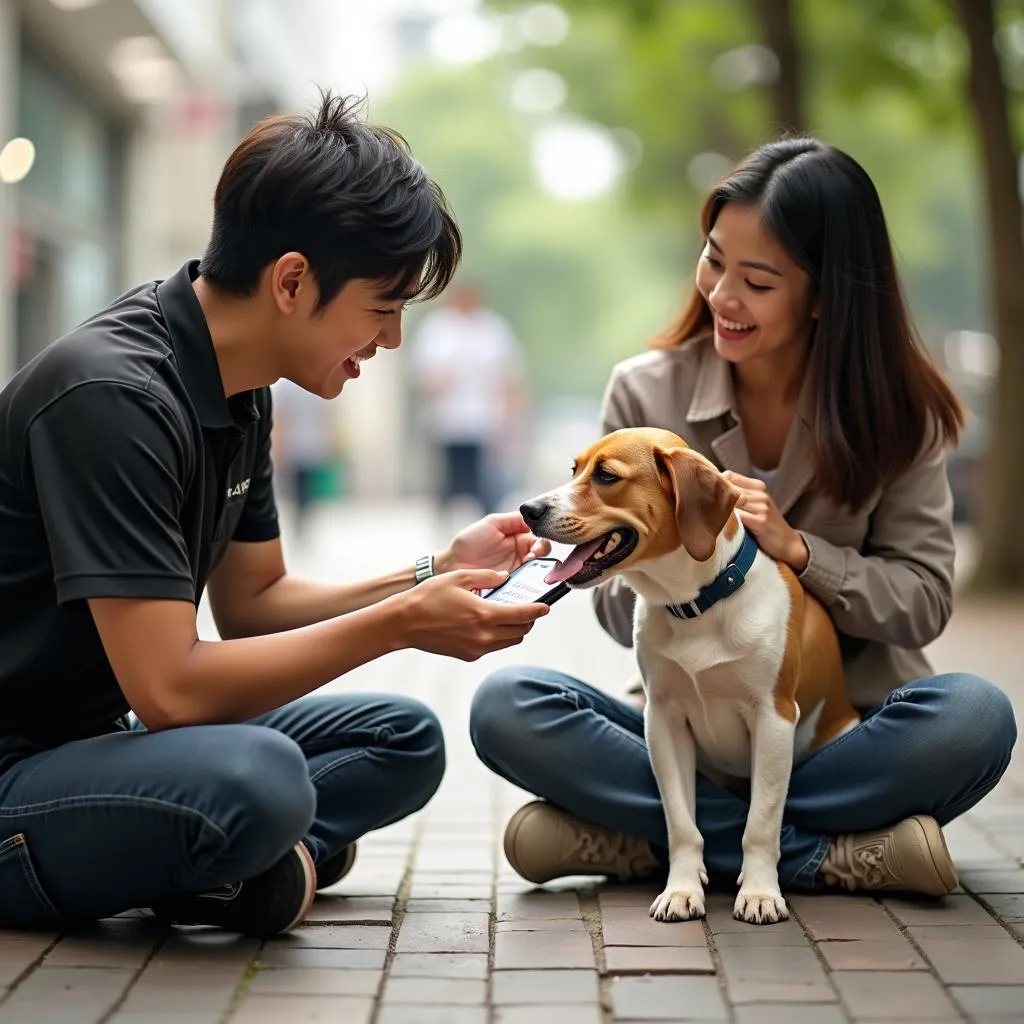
(467,368)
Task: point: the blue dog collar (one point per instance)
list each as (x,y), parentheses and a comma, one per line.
(727,582)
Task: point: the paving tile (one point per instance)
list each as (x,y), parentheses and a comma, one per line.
(1007,906)
(555,1014)
(436,991)
(19,952)
(315,981)
(542,924)
(79,994)
(784,974)
(979,1000)
(516,988)
(439,965)
(444,933)
(524,950)
(345,909)
(303,1010)
(769,935)
(842,917)
(875,995)
(658,960)
(667,998)
(448,906)
(867,955)
(972,955)
(786,1013)
(552,905)
(276,955)
(1011,881)
(433,891)
(959,911)
(335,936)
(625,926)
(125,943)
(400,1014)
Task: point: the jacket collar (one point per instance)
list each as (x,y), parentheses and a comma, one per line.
(714,398)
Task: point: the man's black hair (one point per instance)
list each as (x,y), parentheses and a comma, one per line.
(346,194)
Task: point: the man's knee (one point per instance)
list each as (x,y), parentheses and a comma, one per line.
(418,734)
(263,799)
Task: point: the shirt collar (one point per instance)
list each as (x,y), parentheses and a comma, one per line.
(195,354)
(713,393)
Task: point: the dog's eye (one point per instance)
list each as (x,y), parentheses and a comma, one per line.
(602,476)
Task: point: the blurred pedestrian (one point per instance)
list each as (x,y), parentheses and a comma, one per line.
(135,471)
(467,367)
(796,370)
(303,448)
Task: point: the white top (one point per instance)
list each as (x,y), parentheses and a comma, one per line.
(463,363)
(764,475)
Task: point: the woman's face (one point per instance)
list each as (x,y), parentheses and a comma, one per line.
(761,300)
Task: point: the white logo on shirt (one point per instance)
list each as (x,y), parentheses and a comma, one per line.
(239,489)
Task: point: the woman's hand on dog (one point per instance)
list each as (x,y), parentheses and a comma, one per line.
(760,515)
(445,615)
(498,541)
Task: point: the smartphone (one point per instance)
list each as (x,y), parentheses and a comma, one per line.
(526,585)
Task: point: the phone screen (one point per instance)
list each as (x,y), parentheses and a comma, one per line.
(526,585)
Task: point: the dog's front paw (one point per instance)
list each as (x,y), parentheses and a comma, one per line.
(679,904)
(760,907)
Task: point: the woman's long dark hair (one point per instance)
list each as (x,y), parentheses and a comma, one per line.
(878,397)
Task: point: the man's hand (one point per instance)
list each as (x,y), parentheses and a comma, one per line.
(498,541)
(443,615)
(762,517)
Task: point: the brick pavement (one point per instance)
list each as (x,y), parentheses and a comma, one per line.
(432,926)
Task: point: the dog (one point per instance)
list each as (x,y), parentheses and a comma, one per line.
(741,667)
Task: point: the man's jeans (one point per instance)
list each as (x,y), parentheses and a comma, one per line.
(102,825)
(935,746)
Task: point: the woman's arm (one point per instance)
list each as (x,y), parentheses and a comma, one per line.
(899,589)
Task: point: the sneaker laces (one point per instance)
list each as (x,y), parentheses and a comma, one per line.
(607,849)
(856,864)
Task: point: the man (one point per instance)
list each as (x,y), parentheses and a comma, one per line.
(134,472)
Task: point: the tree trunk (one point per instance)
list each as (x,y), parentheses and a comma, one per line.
(1001,565)
(777,27)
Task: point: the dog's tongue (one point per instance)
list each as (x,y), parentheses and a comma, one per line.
(573,562)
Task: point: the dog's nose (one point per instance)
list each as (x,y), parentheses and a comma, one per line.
(534,511)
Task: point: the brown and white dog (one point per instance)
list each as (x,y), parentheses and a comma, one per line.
(741,666)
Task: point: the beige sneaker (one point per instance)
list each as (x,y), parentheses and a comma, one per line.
(543,842)
(911,856)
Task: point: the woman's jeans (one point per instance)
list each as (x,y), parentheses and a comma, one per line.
(935,746)
(102,825)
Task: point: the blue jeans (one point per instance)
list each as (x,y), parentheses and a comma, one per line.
(935,746)
(102,825)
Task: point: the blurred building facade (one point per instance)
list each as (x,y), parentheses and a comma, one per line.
(129,108)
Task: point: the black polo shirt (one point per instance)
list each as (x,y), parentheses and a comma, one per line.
(124,472)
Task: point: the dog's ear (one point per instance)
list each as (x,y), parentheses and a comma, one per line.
(704,499)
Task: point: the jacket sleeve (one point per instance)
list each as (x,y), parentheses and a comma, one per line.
(614,601)
(899,588)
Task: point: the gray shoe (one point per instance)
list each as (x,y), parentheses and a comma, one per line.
(543,842)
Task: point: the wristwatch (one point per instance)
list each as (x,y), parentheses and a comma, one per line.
(424,568)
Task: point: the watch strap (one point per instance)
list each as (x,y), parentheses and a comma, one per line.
(424,568)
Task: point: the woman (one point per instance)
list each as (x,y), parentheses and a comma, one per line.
(796,370)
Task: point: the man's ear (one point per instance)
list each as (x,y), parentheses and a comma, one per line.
(287,275)
(704,499)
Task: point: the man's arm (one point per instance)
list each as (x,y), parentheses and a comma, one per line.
(252,593)
(172,678)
